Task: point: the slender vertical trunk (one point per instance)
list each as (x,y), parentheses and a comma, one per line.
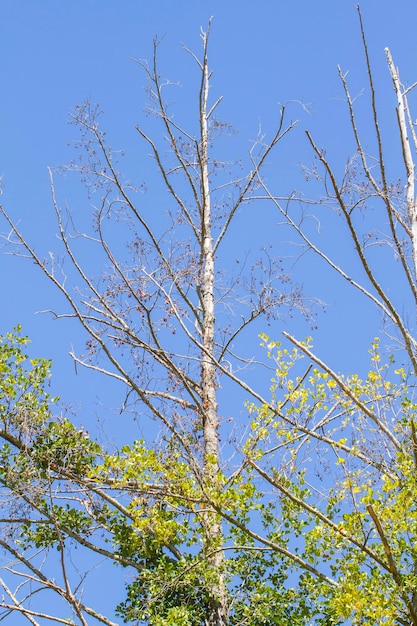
(213,526)
(402,112)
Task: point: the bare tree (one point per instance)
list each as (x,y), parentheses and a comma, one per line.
(161,318)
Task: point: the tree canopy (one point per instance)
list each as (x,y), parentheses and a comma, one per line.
(305,513)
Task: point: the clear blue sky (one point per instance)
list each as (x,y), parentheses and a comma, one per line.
(55,54)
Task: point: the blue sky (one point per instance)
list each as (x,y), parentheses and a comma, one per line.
(56,54)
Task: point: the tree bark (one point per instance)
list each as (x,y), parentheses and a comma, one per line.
(211,466)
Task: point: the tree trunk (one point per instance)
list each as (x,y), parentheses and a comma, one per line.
(213,525)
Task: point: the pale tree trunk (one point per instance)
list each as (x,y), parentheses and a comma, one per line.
(405,122)
(213,525)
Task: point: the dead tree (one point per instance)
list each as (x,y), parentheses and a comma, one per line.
(157,318)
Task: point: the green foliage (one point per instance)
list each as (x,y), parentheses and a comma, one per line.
(320,521)
(38,449)
(24,402)
(167,593)
(53,534)
(355,520)
(62,445)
